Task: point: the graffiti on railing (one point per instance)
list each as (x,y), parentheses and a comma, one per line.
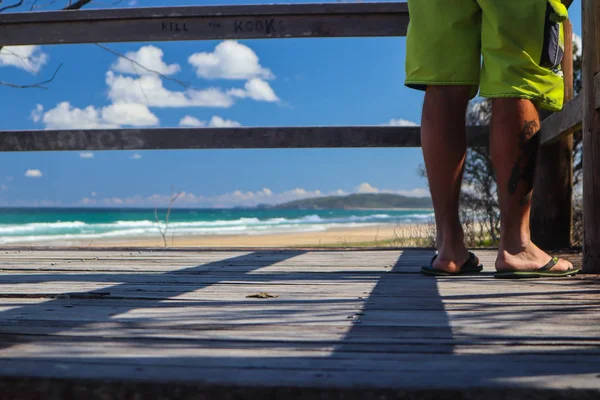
(174,27)
(71,140)
(267,25)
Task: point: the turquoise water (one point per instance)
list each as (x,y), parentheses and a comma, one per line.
(69,224)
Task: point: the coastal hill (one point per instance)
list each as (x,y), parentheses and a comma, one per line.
(354,201)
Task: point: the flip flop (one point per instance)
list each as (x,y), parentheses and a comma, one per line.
(471,266)
(543,272)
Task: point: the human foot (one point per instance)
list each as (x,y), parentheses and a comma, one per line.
(451,250)
(470,266)
(530,261)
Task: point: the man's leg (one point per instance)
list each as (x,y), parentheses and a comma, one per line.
(443,138)
(514,144)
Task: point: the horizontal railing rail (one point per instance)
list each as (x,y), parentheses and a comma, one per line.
(205,23)
(562,123)
(220,138)
(569,120)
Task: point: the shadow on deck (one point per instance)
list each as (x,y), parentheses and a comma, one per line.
(345,324)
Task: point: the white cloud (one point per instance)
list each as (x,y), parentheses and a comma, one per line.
(366,188)
(215,122)
(256,89)
(264,196)
(149,90)
(230,60)
(87,201)
(136,156)
(235,198)
(417,192)
(65,116)
(33,173)
(260,90)
(9,178)
(4,187)
(37,113)
(218,122)
(191,122)
(399,122)
(151,57)
(579,42)
(86,154)
(29,58)
(94,194)
(129,114)
(34,203)
(238,197)
(113,201)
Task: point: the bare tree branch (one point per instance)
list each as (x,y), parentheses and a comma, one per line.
(23,59)
(77,5)
(185,85)
(71,6)
(12,6)
(39,85)
(163,232)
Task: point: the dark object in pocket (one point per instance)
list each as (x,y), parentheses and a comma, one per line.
(553,50)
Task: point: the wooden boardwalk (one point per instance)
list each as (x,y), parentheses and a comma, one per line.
(344,324)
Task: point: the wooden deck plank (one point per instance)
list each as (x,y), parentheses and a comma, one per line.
(459,373)
(281,355)
(342,319)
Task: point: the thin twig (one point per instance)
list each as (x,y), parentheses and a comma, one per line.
(23,59)
(173,199)
(185,85)
(163,232)
(160,230)
(38,85)
(71,6)
(77,5)
(15,5)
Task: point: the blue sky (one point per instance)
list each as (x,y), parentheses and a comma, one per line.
(288,82)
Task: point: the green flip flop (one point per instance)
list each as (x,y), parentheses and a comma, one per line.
(471,266)
(543,272)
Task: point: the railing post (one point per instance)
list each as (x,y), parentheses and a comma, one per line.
(591,138)
(552,203)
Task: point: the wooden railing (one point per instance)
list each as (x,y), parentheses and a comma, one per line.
(552,211)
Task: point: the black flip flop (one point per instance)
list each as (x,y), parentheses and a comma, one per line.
(543,272)
(471,266)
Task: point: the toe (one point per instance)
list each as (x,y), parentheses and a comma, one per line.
(562,265)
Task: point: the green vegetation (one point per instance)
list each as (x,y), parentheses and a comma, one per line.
(366,200)
(421,236)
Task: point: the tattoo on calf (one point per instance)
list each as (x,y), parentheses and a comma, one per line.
(524,168)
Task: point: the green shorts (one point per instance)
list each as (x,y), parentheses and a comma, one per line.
(509,48)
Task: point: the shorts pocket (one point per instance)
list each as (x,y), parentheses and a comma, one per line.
(553,49)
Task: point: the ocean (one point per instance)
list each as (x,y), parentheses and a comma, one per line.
(20,225)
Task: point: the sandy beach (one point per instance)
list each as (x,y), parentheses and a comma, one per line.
(383,235)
